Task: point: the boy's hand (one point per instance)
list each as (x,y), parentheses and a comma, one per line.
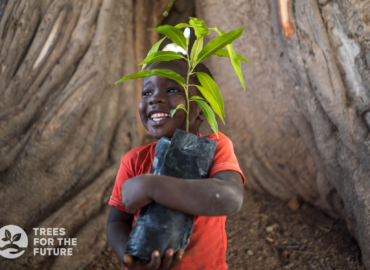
(169,261)
(135,193)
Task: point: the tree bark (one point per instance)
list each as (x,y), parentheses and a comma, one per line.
(64,125)
(301,129)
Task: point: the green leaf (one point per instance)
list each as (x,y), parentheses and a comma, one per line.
(180,106)
(193,98)
(197,47)
(182,25)
(161,56)
(163,73)
(154,49)
(218,43)
(210,85)
(234,58)
(199,27)
(225,53)
(173,33)
(214,104)
(209,115)
(236,64)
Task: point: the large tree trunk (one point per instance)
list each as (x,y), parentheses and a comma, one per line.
(64,125)
(302,127)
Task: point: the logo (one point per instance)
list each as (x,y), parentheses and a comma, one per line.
(13,241)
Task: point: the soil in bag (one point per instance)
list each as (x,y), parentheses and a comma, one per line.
(159,228)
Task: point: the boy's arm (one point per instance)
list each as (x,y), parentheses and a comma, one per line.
(217,196)
(119,226)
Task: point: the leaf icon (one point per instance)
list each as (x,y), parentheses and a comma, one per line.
(5,239)
(16,237)
(8,234)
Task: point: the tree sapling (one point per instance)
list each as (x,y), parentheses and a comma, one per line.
(208,87)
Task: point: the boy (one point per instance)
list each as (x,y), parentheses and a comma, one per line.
(210,200)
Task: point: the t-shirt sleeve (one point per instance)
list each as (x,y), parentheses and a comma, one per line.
(124,173)
(225,158)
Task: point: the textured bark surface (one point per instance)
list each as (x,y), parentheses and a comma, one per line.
(300,130)
(64,125)
(2,7)
(145,19)
(302,127)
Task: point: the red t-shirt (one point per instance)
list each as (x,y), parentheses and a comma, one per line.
(207,247)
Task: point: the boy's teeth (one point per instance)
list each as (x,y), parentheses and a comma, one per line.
(156,115)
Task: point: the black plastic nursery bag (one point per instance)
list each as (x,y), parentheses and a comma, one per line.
(159,228)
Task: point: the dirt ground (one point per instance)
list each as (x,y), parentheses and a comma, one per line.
(269,235)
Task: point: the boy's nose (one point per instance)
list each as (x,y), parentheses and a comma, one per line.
(157,98)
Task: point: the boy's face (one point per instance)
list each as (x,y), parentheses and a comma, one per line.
(160,95)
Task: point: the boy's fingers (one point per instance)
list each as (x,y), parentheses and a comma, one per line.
(155,262)
(128,261)
(176,259)
(167,260)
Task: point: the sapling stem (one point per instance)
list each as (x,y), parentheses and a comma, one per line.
(190,72)
(187,95)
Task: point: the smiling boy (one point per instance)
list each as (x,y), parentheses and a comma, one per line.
(210,200)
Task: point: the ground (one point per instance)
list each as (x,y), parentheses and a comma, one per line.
(266,234)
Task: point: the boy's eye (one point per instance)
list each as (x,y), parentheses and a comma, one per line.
(147,93)
(172,90)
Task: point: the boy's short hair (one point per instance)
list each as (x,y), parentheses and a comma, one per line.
(201,68)
(198,68)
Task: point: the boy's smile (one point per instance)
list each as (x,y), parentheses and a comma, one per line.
(161,95)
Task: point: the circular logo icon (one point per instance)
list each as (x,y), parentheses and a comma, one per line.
(13,241)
